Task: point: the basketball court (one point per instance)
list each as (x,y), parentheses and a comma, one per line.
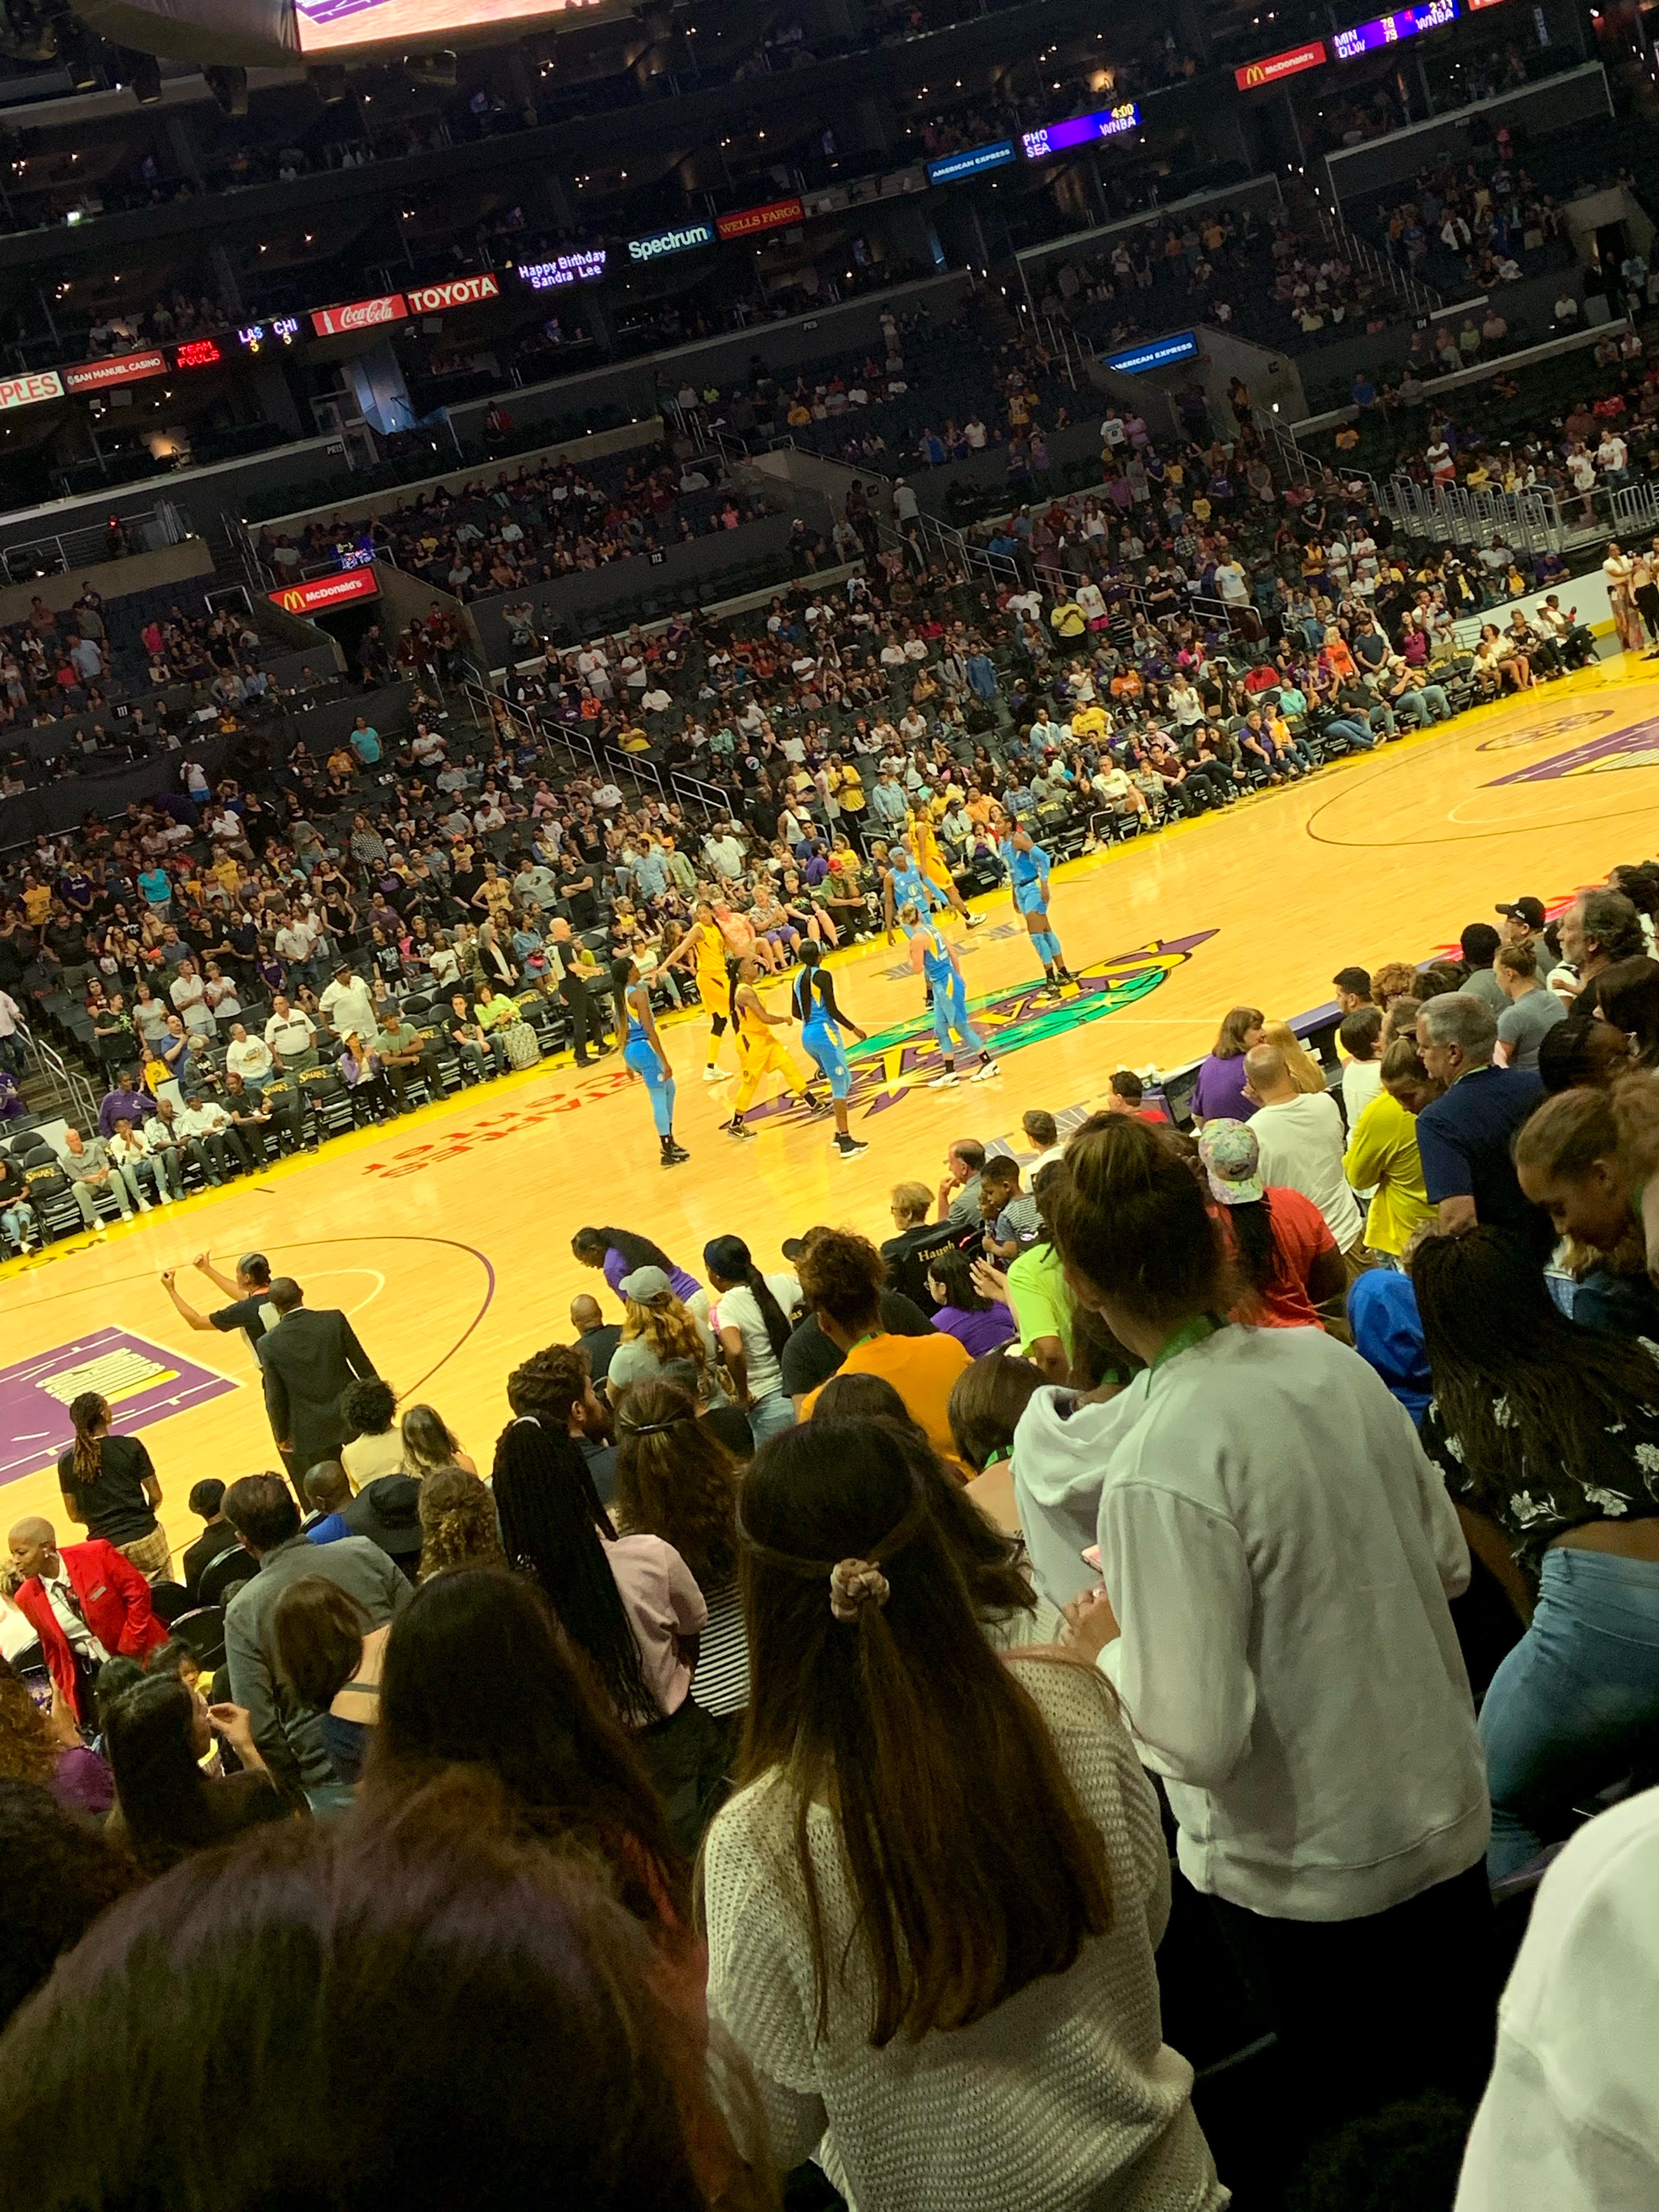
(447,1235)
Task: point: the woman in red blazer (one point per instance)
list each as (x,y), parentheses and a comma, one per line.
(112,1596)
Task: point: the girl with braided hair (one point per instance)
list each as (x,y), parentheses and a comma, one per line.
(112,1489)
(932,1906)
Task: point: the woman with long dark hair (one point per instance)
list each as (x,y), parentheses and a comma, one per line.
(979,1324)
(1284,1256)
(932,1908)
(1276,1556)
(1219,1094)
(629,1603)
(1549,1433)
(484,1678)
(111,1488)
(676,1480)
(155,1735)
(753,1328)
(618,1252)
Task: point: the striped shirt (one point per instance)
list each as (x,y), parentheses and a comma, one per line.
(721,1682)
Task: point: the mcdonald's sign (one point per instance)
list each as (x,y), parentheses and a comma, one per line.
(1272,67)
(323,594)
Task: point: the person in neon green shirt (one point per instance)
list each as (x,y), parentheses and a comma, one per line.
(494,1009)
(1382,1151)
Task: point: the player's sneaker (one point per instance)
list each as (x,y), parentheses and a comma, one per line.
(975,920)
(944,1081)
(735,1128)
(984,1071)
(849,1147)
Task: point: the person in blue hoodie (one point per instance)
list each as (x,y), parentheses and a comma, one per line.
(1387,1334)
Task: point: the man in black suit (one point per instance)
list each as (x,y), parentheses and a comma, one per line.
(307,1358)
(580,976)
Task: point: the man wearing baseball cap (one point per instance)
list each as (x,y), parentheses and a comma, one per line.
(1523,924)
(348,1004)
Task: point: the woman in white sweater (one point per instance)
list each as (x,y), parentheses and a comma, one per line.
(932,1906)
(1277,1554)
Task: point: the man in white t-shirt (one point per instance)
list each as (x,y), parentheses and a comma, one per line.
(1300,1136)
(348,1004)
(249,1057)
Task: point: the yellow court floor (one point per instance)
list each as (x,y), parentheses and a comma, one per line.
(447,1235)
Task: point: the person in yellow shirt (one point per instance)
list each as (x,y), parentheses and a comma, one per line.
(1090,721)
(702,950)
(1383,1156)
(759,1052)
(841,1279)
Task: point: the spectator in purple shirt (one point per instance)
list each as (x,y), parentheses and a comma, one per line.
(617,1252)
(1219,1094)
(125,1103)
(979,1324)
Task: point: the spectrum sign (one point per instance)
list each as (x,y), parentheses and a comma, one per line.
(660,242)
(323,593)
(951,168)
(1080,130)
(1272,67)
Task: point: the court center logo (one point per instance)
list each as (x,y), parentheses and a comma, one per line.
(896,1060)
(887,1069)
(1637,745)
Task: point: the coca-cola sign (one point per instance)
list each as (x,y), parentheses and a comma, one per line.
(460,292)
(360,315)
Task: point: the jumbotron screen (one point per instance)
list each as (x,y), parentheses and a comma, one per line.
(331,26)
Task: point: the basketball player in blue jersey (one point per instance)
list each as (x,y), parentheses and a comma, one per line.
(1028,872)
(821,1022)
(932,957)
(905,885)
(644,1057)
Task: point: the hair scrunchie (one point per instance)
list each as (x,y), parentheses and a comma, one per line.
(854,1584)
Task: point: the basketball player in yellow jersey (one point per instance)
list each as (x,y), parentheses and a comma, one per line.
(702,950)
(759,1052)
(923,841)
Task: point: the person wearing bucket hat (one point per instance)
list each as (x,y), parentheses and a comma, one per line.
(1282,1248)
(388,1512)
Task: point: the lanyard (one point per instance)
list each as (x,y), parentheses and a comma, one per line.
(1190,1333)
(869,1337)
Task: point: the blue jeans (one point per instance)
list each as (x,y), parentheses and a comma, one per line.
(768,1417)
(1575,1704)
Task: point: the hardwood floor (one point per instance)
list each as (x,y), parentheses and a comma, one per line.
(447,1235)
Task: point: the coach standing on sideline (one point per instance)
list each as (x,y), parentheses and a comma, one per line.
(308,1359)
(587,1024)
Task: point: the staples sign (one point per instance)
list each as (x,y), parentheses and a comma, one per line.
(25,390)
(360,315)
(323,593)
(463,292)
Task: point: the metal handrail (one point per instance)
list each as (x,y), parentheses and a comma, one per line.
(79,549)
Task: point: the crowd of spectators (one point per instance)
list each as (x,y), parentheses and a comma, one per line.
(545,521)
(56,664)
(874,1584)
